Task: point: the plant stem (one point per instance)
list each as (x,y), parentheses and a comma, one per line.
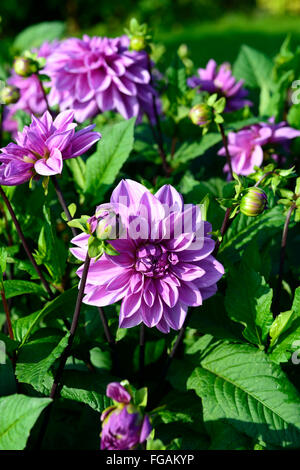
(225,225)
(7,313)
(63,203)
(160,140)
(263,177)
(75,232)
(63,358)
(66,353)
(43,92)
(26,248)
(277,296)
(225,143)
(142,354)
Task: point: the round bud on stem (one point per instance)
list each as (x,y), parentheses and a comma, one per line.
(201,115)
(253,202)
(137,43)
(9,95)
(24,66)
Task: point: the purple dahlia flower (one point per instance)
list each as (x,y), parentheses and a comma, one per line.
(165,263)
(248,146)
(31,96)
(124,426)
(41,148)
(93,75)
(220,80)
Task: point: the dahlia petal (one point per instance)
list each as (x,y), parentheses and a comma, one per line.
(213,272)
(152,315)
(163,326)
(187,272)
(146,429)
(118,393)
(168,292)
(128,192)
(100,297)
(131,321)
(120,281)
(130,304)
(189,294)
(50,166)
(168,196)
(176,315)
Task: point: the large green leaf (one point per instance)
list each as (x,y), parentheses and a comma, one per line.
(15,288)
(240,384)
(248,301)
(112,151)
(18,414)
(253,67)
(36,358)
(35,35)
(25,326)
(190,150)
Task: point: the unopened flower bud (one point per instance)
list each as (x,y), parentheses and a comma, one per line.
(9,95)
(25,66)
(124,426)
(137,43)
(107,224)
(253,202)
(201,115)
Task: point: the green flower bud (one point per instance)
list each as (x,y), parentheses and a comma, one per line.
(253,202)
(25,66)
(137,43)
(9,95)
(201,115)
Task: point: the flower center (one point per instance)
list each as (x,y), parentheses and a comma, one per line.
(154,260)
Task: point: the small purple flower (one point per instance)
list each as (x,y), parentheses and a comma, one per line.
(41,148)
(124,426)
(93,75)
(214,79)
(31,98)
(247,147)
(164,263)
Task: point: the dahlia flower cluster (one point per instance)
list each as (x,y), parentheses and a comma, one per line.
(124,426)
(92,75)
(164,263)
(248,147)
(220,80)
(41,148)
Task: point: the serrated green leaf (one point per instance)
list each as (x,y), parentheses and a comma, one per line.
(112,151)
(253,67)
(190,150)
(18,415)
(239,384)
(34,36)
(13,288)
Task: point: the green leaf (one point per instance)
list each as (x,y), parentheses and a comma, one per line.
(51,250)
(65,303)
(15,288)
(35,360)
(248,301)
(253,67)
(18,415)
(190,150)
(77,167)
(112,151)
(239,384)
(34,36)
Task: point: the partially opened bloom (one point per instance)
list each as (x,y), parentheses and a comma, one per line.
(31,99)
(214,79)
(249,146)
(124,426)
(41,148)
(164,263)
(93,75)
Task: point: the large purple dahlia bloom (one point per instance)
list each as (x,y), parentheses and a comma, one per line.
(220,80)
(124,426)
(93,75)
(41,148)
(164,263)
(32,99)
(249,146)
